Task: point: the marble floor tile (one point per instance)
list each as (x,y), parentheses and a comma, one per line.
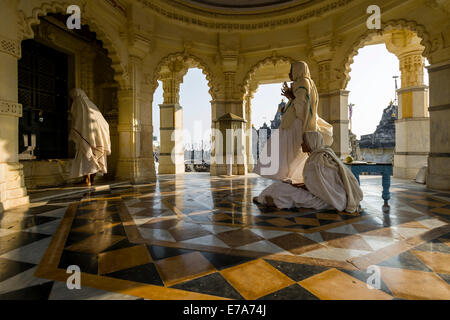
(338,254)
(409,232)
(256,279)
(437,261)
(409,284)
(295,243)
(209,240)
(213,284)
(237,238)
(264,246)
(337,285)
(156,234)
(377,243)
(120,259)
(31,253)
(20,281)
(184,267)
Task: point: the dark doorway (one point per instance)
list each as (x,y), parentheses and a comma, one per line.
(43,93)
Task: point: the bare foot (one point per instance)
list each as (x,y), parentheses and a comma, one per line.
(88,180)
(269,201)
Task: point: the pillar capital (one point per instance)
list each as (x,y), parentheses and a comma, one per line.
(406,46)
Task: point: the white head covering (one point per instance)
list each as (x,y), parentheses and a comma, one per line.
(318,183)
(300,70)
(90,132)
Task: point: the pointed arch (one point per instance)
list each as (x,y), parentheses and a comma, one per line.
(26,23)
(369,34)
(192,62)
(274,60)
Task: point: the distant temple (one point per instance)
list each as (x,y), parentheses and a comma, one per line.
(380,145)
(263,134)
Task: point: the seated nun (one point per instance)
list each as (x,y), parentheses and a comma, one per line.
(328,183)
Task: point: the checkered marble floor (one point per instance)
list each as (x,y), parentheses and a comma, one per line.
(201,237)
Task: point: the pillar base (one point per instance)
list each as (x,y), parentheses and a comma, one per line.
(12,186)
(171,168)
(412,139)
(406,166)
(167,166)
(140,170)
(223,170)
(439,172)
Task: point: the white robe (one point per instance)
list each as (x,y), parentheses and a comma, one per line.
(330,184)
(286,196)
(299,116)
(90,132)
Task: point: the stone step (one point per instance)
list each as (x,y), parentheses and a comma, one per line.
(16,193)
(13,175)
(15,184)
(12,203)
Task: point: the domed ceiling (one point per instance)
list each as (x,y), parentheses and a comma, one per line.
(243,5)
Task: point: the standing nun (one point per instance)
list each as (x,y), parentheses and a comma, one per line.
(90,132)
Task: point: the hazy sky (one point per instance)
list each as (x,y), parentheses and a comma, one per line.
(371,89)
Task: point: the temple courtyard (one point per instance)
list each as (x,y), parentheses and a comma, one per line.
(195,236)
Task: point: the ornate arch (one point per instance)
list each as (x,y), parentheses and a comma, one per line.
(367,36)
(26,23)
(192,62)
(274,60)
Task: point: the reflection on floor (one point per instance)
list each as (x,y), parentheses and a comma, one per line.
(197,237)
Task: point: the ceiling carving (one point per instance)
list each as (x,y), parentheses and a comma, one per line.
(268,14)
(247,5)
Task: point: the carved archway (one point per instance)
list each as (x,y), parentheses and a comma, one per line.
(369,34)
(27,22)
(273,60)
(190,61)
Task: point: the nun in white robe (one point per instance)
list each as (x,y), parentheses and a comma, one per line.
(329,184)
(90,132)
(282,157)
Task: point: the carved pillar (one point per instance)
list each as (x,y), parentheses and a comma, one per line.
(171,158)
(133,165)
(412,129)
(333,108)
(229,151)
(12,187)
(87,58)
(251,158)
(333,102)
(439,158)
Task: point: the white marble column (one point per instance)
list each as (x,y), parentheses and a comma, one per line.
(412,129)
(333,108)
(12,190)
(133,165)
(249,139)
(439,158)
(171,158)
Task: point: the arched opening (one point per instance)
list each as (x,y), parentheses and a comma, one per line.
(53,62)
(182,116)
(389,81)
(196,102)
(263,101)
